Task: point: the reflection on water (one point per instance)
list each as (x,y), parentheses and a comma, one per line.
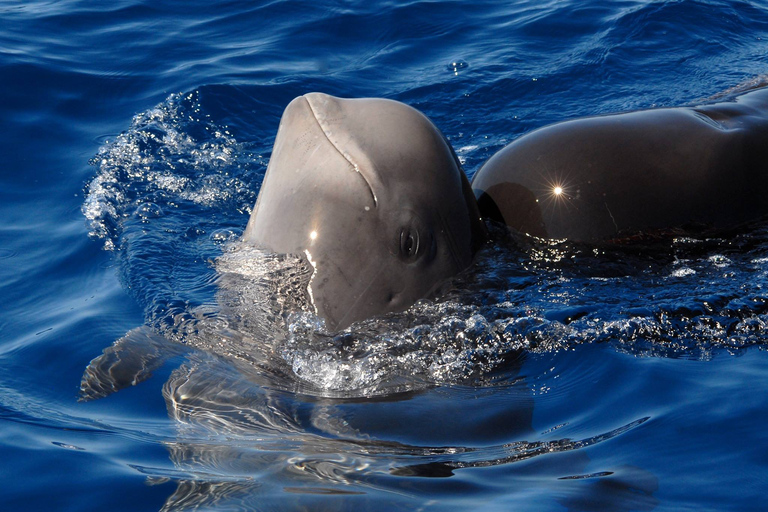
(234,432)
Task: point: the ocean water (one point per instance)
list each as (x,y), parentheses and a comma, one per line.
(552,376)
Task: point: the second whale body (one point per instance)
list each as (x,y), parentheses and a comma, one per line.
(600,178)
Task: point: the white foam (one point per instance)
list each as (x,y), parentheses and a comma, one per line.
(158,154)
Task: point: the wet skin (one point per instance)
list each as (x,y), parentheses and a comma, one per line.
(369,191)
(603,177)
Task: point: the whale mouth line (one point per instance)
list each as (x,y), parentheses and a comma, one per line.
(343,154)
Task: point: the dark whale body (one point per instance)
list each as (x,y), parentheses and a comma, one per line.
(599,178)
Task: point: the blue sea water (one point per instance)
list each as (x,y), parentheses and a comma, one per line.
(135,136)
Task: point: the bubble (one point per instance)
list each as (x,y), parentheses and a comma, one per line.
(456,65)
(148,211)
(224,235)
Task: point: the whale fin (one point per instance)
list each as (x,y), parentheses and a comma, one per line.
(127,362)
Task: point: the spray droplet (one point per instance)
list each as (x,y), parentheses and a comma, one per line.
(456,65)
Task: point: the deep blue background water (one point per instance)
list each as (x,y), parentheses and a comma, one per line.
(654,396)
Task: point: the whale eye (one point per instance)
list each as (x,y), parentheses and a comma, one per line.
(409,243)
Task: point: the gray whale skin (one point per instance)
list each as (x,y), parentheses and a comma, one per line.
(371,193)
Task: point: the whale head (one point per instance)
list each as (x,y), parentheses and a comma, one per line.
(371,193)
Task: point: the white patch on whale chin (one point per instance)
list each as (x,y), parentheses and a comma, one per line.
(309,285)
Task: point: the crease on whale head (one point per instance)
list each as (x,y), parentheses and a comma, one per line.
(325,114)
(373,195)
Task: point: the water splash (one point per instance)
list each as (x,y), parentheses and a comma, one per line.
(170,155)
(530,297)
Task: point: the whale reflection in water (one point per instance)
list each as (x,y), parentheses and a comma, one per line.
(250,432)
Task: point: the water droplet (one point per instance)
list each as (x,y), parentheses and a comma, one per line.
(456,65)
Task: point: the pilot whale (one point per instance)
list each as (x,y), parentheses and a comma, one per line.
(371,193)
(606,177)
